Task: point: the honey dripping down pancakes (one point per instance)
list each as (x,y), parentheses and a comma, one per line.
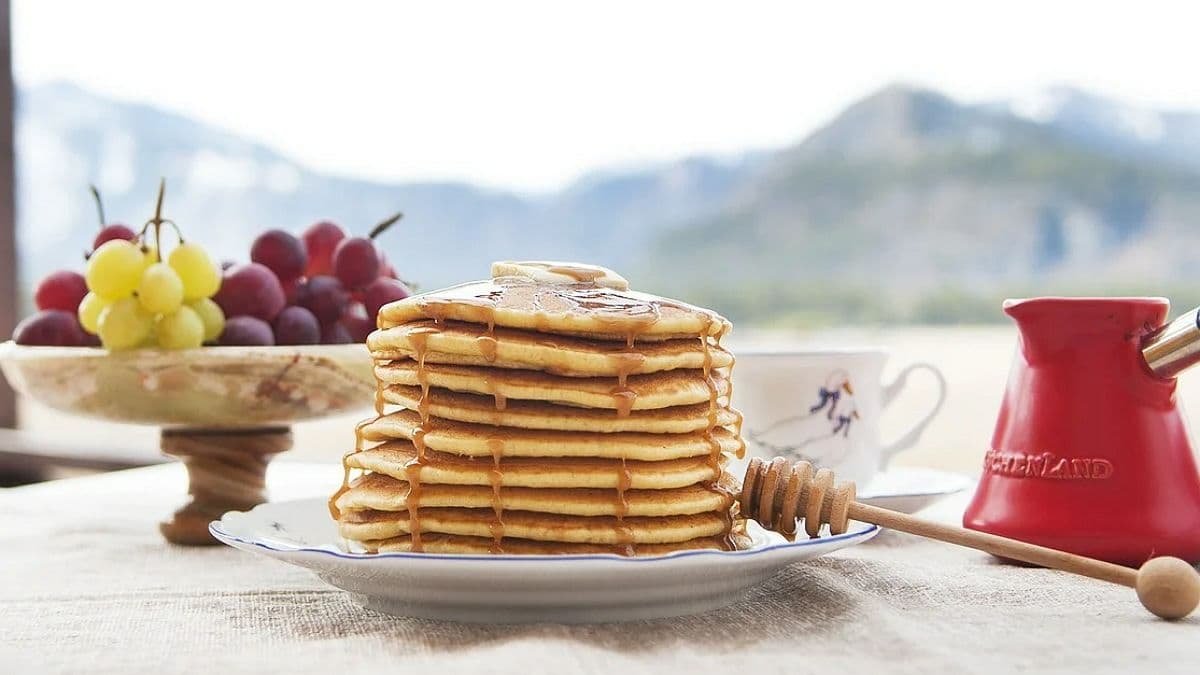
(547,410)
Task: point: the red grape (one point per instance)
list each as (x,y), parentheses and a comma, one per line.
(385,267)
(250,290)
(50,327)
(336,334)
(247,331)
(113,231)
(382,291)
(320,240)
(61,290)
(291,289)
(325,297)
(281,252)
(356,262)
(357,323)
(297,326)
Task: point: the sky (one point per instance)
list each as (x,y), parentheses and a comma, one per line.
(529,95)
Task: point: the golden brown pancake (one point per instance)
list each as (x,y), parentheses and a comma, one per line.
(458,544)
(396,458)
(470,344)
(477,409)
(366,525)
(380,492)
(480,440)
(568,308)
(641,392)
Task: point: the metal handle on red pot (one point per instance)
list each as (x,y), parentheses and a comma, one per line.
(1175,347)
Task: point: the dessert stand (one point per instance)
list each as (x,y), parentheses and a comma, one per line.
(224,411)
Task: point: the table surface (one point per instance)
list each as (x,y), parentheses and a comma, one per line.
(86,582)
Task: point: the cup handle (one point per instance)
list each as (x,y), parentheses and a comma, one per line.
(910,437)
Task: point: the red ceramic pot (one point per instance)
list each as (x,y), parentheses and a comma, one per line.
(1090,453)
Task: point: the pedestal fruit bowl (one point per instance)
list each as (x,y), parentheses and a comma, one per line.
(224,411)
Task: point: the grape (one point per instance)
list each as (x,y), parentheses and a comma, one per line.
(250,290)
(50,328)
(181,329)
(297,326)
(200,276)
(356,262)
(281,252)
(247,331)
(335,334)
(324,297)
(124,324)
(114,269)
(161,290)
(385,267)
(61,290)
(380,292)
(291,289)
(357,323)
(149,255)
(113,231)
(89,312)
(211,316)
(319,241)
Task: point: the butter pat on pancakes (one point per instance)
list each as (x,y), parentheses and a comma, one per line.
(549,409)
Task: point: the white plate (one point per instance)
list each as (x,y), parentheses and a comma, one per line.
(515,589)
(908,490)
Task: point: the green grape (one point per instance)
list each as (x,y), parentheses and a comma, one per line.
(161,290)
(182,329)
(124,324)
(149,255)
(89,312)
(114,269)
(211,315)
(200,276)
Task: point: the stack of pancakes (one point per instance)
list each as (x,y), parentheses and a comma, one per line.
(547,410)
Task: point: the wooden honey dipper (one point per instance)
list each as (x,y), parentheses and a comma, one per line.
(780,493)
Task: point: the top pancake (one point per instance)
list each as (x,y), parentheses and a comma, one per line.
(567,302)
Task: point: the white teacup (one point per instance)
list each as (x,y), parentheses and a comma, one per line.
(823,406)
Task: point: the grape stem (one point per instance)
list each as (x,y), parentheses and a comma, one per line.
(158,221)
(384,225)
(99,205)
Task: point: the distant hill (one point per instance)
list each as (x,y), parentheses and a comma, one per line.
(907,206)
(909,203)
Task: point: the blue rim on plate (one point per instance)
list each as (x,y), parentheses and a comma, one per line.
(215,529)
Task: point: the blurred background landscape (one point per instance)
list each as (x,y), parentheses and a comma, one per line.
(824,176)
(906,206)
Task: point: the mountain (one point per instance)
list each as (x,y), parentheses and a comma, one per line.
(222,189)
(908,205)
(908,195)
(1108,124)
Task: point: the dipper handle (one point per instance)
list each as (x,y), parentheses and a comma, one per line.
(1174,347)
(780,493)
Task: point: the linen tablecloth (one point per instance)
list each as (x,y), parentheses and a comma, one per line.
(90,586)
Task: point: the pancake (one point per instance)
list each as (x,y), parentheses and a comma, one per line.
(366,524)
(383,493)
(522,296)
(641,392)
(396,458)
(468,344)
(479,440)
(458,544)
(539,415)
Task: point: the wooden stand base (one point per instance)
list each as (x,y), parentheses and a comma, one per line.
(226,472)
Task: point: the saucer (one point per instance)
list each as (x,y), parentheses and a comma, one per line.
(910,489)
(520,589)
